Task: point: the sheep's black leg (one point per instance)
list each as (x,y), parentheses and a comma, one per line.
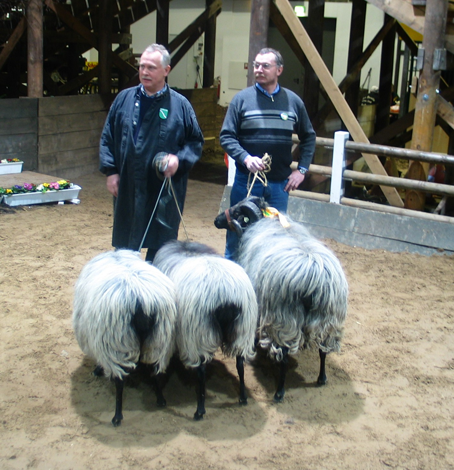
(280,392)
(322,375)
(240,369)
(160,400)
(201,374)
(116,420)
(99,371)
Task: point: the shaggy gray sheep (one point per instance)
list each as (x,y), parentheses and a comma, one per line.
(217,308)
(300,285)
(124,311)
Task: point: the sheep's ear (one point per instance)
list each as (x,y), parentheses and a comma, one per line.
(250,210)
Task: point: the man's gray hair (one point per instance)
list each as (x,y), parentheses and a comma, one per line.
(165,59)
(277,55)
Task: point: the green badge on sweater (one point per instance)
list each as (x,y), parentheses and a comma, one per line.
(163,113)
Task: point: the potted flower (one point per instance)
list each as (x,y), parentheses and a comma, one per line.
(29,193)
(10,165)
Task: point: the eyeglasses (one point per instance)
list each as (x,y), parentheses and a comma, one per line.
(265,66)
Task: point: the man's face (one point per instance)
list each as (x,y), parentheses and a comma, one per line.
(152,74)
(266,71)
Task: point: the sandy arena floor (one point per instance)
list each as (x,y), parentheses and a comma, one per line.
(389,401)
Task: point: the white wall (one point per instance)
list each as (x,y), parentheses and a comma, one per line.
(232,41)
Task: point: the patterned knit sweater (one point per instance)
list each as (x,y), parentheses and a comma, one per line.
(256,124)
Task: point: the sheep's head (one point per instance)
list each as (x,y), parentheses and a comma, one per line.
(238,217)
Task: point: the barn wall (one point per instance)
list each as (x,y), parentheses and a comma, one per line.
(19,131)
(69,128)
(59,136)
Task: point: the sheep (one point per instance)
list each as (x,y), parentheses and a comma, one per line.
(216,307)
(124,311)
(301,287)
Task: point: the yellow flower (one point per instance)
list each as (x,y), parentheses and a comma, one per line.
(46,185)
(61,182)
(9,191)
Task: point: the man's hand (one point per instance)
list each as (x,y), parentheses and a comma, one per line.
(294,180)
(112,182)
(254,164)
(170,165)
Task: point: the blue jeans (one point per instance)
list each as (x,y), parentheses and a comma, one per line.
(273,194)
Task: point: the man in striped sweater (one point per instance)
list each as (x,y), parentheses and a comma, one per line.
(261,120)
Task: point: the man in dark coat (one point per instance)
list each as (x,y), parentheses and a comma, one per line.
(144,121)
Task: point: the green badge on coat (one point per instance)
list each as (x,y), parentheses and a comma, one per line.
(163,113)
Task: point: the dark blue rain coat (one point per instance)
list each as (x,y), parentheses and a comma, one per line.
(169,126)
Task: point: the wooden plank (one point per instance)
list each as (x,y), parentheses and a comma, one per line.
(19,108)
(72,163)
(55,106)
(26,125)
(446,111)
(68,141)
(334,94)
(48,125)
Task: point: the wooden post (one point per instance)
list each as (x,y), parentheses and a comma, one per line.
(386,76)
(162,22)
(355,50)
(35,49)
(426,100)
(209,49)
(105,46)
(258,35)
(315,29)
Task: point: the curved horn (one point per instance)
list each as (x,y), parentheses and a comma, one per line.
(249,209)
(235,226)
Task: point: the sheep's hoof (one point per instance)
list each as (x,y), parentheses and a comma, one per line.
(198,416)
(116,421)
(278,397)
(243,401)
(321,381)
(161,402)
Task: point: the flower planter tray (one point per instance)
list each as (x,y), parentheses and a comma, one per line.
(11,167)
(25,199)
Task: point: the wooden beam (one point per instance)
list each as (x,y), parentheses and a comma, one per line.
(162,22)
(196,25)
(426,100)
(12,41)
(334,94)
(355,50)
(209,53)
(386,75)
(105,46)
(91,38)
(258,33)
(315,28)
(353,73)
(412,16)
(35,81)
(446,111)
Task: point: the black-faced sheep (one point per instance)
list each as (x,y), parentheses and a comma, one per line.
(124,312)
(217,308)
(300,284)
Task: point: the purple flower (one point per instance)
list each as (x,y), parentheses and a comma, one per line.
(28,186)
